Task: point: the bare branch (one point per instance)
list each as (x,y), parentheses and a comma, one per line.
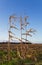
(27,34)
(11,32)
(13,27)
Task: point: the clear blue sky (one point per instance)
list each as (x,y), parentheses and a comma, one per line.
(32,8)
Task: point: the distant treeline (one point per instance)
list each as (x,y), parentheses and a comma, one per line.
(15,42)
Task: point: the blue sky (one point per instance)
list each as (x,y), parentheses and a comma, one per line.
(32,8)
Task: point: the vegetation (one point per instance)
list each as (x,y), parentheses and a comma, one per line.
(30,54)
(15,60)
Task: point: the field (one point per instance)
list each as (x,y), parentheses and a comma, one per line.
(21,54)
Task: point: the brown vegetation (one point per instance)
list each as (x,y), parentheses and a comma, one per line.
(24,51)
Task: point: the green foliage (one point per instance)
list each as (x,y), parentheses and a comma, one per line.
(1,53)
(27,60)
(13,54)
(17,61)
